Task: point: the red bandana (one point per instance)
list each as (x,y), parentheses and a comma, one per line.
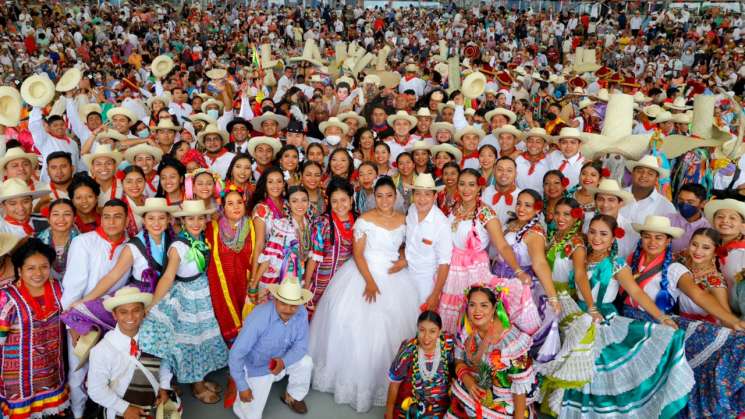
(345,233)
(734,244)
(219,154)
(133,348)
(114,244)
(533,161)
(65,139)
(49,307)
(506,194)
(27,227)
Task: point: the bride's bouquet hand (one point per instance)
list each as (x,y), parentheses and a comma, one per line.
(371,291)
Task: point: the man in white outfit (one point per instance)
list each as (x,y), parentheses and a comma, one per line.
(429,243)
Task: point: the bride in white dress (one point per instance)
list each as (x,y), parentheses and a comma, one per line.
(368,309)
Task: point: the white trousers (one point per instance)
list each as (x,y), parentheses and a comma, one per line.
(424,283)
(297,387)
(75,380)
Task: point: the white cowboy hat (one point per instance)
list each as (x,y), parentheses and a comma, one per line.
(569,132)
(585,103)
(658,224)
(131,153)
(679,104)
(616,135)
(8,242)
(216,73)
(469,130)
(411,68)
(449,104)
(211,101)
(203,117)
(682,117)
(281,120)
(254,142)
(441,126)
(602,95)
(424,112)
(704,132)
(111,134)
(69,80)
(102,150)
(10,106)
(265,51)
(127,295)
(290,292)
(402,115)
(473,85)
(372,79)
(192,208)
(361,122)
(442,68)
(311,53)
(212,129)
(82,349)
(664,116)
(389,79)
(509,129)
(447,148)
(125,112)
(165,98)
(333,122)
(652,111)
(425,182)
(16,153)
(161,66)
(711,207)
(87,109)
(585,60)
(166,124)
(511,117)
(611,187)
(419,145)
(640,97)
(537,132)
(37,90)
(155,205)
(16,188)
(650,162)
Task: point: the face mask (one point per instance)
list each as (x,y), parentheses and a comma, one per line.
(550,116)
(143,133)
(333,139)
(213,113)
(687,210)
(477,126)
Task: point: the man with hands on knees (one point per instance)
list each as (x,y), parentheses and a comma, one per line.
(273,343)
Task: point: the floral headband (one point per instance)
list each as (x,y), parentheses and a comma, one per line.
(501,310)
(189,183)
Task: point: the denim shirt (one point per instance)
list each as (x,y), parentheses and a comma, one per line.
(265,336)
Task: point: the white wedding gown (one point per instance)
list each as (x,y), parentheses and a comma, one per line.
(353,342)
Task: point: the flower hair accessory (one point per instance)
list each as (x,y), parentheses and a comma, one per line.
(577,213)
(538,205)
(120,175)
(565,182)
(499,292)
(482,181)
(619,233)
(230,188)
(605,172)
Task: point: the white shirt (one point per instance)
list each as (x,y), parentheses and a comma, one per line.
(180,110)
(108,194)
(397,148)
(46,144)
(110,372)
(89,262)
(655,203)
(220,164)
(533,180)
(429,242)
(416,84)
(500,207)
(572,169)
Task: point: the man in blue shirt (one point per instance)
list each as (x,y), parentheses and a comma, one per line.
(273,343)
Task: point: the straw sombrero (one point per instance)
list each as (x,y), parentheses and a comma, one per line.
(8,242)
(616,135)
(281,120)
(155,205)
(333,122)
(473,85)
(469,130)
(254,142)
(425,182)
(402,115)
(212,129)
(658,224)
(166,124)
(37,90)
(447,148)
(122,111)
(110,134)
(361,122)
(704,132)
(103,150)
(711,208)
(650,162)
(16,188)
(290,292)
(69,80)
(161,66)
(511,117)
(538,132)
(16,153)
(509,129)
(127,295)
(10,106)
(611,187)
(190,208)
(441,126)
(131,153)
(216,73)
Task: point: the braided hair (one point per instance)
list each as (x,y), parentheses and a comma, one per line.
(664,299)
(533,221)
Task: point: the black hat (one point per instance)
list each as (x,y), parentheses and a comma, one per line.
(237,121)
(295,126)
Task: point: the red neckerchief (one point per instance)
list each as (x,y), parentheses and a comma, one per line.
(533,160)
(648,126)
(168,200)
(49,307)
(114,244)
(408,139)
(65,139)
(506,194)
(27,227)
(473,155)
(54,190)
(84,227)
(219,154)
(345,233)
(149,182)
(501,154)
(134,349)
(734,244)
(112,194)
(409,78)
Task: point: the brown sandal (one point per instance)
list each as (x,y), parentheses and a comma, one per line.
(213,387)
(205,396)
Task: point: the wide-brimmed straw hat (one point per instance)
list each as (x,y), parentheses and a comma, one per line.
(69,80)
(511,117)
(290,292)
(121,110)
(87,109)
(212,129)
(509,129)
(650,162)
(190,208)
(103,150)
(440,126)
(569,132)
(611,187)
(16,188)
(254,142)
(537,132)
(166,124)
(10,106)
(216,73)
(679,104)
(425,182)
(16,153)
(333,122)
(82,349)
(419,145)
(127,295)
(711,207)
(361,122)
(131,153)
(37,90)
(161,66)
(704,131)
(469,130)
(281,120)
(616,135)
(155,205)
(110,134)
(658,224)
(8,242)
(448,148)
(402,115)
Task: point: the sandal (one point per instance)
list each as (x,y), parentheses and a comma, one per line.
(205,396)
(213,387)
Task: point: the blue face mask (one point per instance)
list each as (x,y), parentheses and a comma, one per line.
(687,210)
(144,133)
(213,113)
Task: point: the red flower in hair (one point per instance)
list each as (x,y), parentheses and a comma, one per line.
(577,213)
(565,182)
(538,205)
(482,181)
(120,175)
(272,364)
(619,233)
(394,165)
(45,212)
(722,252)
(605,172)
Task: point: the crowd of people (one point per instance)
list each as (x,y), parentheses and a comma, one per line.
(464,213)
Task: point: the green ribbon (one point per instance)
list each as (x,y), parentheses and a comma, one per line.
(197,251)
(502,314)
